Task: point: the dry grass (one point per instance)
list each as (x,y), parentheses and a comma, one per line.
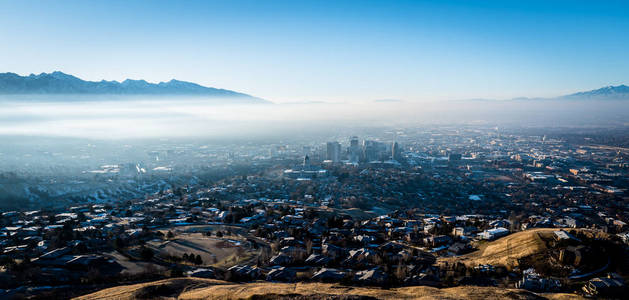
(507,250)
(316,290)
(165,288)
(189,288)
(562,296)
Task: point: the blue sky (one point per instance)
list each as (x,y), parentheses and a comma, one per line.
(289,51)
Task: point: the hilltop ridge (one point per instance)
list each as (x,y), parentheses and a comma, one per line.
(198,288)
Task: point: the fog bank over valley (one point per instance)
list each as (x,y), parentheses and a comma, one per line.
(194,117)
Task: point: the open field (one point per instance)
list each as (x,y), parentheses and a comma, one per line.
(214,251)
(133,267)
(194,288)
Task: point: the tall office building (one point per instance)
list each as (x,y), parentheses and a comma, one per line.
(354,150)
(333,151)
(396,153)
(369,150)
(306,164)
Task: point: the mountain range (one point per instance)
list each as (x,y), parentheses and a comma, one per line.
(65,84)
(60,83)
(608,92)
(619,92)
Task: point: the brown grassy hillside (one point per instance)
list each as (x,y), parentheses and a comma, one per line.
(192,288)
(505,251)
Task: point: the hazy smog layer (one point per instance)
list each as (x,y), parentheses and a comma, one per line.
(190,118)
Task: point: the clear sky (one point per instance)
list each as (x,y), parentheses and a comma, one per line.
(289,51)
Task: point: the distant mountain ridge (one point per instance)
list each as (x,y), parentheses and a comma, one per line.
(608,92)
(61,83)
(618,92)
